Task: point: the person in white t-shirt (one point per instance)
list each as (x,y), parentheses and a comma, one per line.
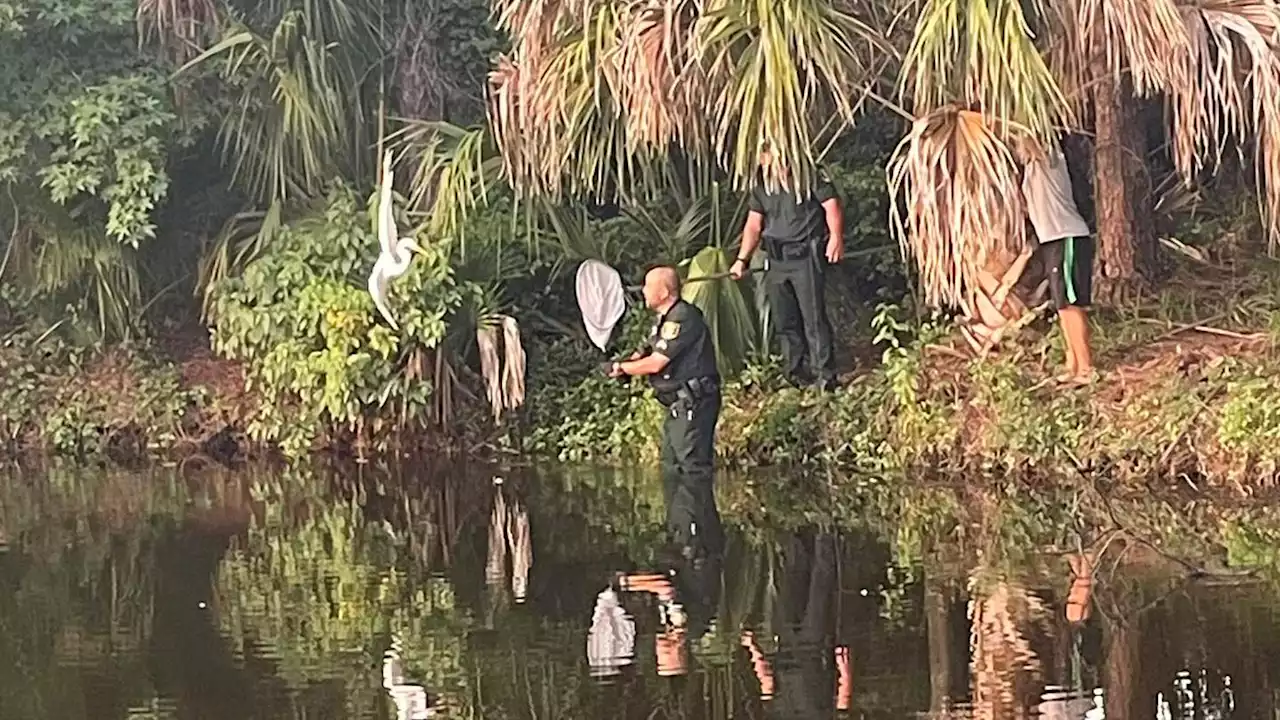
(1066,249)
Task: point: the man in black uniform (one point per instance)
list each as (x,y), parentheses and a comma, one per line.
(800,237)
(680,361)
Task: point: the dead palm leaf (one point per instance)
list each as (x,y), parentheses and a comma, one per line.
(956,199)
(1143,38)
(490,366)
(179,27)
(502,365)
(513,364)
(1231,93)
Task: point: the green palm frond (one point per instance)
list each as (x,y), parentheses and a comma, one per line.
(593,95)
(981,53)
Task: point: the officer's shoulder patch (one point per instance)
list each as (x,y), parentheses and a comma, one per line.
(670,330)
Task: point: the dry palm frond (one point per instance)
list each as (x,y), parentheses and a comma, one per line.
(963,201)
(646,68)
(503,367)
(1232,93)
(1145,38)
(513,364)
(982,52)
(177,26)
(490,366)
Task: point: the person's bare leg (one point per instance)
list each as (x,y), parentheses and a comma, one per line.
(1075,326)
(1068,351)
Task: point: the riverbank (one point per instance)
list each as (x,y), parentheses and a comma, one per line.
(1190,394)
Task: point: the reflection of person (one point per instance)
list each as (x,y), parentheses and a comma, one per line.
(687,597)
(800,238)
(810,676)
(680,362)
(1066,249)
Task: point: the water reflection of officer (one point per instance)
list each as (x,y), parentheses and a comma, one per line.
(687,600)
(809,677)
(679,360)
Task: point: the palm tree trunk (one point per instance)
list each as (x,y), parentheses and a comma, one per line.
(1122,190)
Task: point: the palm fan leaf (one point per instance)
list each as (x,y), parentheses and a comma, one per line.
(956,199)
(982,53)
(593,94)
(727,312)
(1230,92)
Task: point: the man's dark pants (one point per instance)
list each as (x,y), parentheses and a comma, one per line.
(799,309)
(688,474)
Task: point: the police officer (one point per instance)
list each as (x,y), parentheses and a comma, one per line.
(800,237)
(679,360)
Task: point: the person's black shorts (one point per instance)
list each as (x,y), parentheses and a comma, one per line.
(1069,264)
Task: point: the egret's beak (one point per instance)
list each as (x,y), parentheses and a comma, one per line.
(415,247)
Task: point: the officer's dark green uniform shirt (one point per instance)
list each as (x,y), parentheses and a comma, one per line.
(794,237)
(787,220)
(683,337)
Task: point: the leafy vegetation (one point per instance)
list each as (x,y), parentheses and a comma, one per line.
(301,320)
(183,176)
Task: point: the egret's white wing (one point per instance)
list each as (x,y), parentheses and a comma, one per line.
(378,287)
(611,642)
(601,299)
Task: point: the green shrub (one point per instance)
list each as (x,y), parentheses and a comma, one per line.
(315,350)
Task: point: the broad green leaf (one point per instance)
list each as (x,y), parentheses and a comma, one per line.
(721,301)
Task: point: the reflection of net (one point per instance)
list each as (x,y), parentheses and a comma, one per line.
(410,699)
(1005,668)
(1063,705)
(611,642)
(509,534)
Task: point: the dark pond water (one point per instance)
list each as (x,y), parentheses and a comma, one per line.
(364,593)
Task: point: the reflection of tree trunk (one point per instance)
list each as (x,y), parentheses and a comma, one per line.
(1118,681)
(938,625)
(1122,189)
(1006,670)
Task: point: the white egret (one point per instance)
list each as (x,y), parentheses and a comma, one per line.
(395,253)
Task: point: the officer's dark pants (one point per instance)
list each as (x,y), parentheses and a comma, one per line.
(688,475)
(799,311)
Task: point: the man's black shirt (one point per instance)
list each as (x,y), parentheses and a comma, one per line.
(682,335)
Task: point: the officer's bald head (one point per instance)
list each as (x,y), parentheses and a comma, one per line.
(661,287)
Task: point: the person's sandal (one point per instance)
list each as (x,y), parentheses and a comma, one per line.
(1086,380)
